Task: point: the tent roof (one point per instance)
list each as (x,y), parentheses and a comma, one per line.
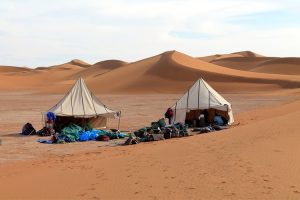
(201,96)
(80,102)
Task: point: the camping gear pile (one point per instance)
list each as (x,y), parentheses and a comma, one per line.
(75,133)
(157,131)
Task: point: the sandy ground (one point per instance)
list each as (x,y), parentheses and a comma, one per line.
(255,160)
(138,111)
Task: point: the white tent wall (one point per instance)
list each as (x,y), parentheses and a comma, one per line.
(200,96)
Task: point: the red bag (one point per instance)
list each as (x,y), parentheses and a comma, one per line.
(103,138)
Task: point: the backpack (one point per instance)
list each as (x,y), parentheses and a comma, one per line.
(28,129)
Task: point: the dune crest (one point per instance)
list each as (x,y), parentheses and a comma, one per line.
(13,69)
(240,54)
(100,68)
(79,63)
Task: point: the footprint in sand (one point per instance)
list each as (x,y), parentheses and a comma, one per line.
(83,194)
(230,194)
(190,188)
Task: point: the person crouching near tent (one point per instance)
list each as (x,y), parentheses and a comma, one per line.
(169,115)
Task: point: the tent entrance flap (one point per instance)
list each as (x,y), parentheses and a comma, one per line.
(95,122)
(209,114)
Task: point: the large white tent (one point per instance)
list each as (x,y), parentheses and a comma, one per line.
(81,103)
(201,96)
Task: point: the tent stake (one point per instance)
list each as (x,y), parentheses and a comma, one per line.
(119,121)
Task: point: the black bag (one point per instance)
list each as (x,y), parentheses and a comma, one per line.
(167,133)
(28,129)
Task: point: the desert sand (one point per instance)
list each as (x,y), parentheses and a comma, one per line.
(257,158)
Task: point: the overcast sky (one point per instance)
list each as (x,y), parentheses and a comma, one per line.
(41,33)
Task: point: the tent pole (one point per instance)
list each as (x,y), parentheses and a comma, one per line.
(43,120)
(175,114)
(119,121)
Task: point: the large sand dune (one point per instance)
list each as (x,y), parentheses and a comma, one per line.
(174,71)
(171,72)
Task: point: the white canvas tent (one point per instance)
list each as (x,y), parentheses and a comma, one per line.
(80,103)
(201,96)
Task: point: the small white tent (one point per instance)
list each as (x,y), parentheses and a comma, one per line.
(81,105)
(201,96)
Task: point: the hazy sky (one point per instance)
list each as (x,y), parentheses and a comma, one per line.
(42,33)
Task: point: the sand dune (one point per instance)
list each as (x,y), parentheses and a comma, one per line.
(73,64)
(174,71)
(155,74)
(240,54)
(41,78)
(79,63)
(171,71)
(247,54)
(279,66)
(12,69)
(102,67)
(249,61)
(241,63)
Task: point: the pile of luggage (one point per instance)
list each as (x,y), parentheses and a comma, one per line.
(157,131)
(75,133)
